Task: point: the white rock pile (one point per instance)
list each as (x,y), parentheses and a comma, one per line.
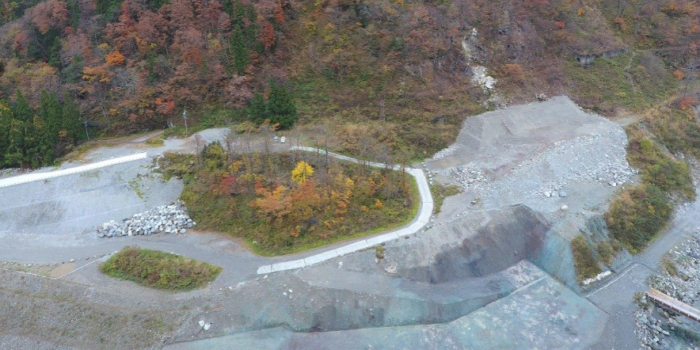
(171,218)
(468,175)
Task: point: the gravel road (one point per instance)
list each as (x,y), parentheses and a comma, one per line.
(616,296)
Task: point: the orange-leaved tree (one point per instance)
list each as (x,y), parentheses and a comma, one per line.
(114,58)
(273,205)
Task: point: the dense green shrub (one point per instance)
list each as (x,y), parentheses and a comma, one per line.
(637,215)
(160,270)
(658,168)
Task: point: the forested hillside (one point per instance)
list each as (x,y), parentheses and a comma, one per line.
(400,71)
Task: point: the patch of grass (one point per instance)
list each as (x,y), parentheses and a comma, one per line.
(605,252)
(91,174)
(136,186)
(79,151)
(641,300)
(637,215)
(159,270)
(420,126)
(212,117)
(440,192)
(676,129)
(584,261)
(178,165)
(657,167)
(632,81)
(379,252)
(670,267)
(155,141)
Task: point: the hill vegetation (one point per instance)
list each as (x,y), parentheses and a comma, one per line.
(36,137)
(640,212)
(402,69)
(287,202)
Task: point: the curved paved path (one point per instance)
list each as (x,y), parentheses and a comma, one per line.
(422,219)
(36,176)
(304,259)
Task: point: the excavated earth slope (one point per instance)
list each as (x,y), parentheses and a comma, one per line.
(492,270)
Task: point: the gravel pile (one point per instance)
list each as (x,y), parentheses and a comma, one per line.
(171,218)
(468,176)
(657,328)
(446,152)
(598,157)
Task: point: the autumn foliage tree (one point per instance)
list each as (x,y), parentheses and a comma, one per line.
(268,36)
(302,172)
(274,204)
(115,58)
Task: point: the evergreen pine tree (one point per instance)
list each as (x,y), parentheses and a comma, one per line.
(51,113)
(31,144)
(258,108)
(14,154)
(251,32)
(55,53)
(5,124)
(73,13)
(238,14)
(71,121)
(241,60)
(22,111)
(281,107)
(39,145)
(227,6)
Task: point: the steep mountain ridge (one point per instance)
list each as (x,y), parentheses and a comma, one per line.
(411,68)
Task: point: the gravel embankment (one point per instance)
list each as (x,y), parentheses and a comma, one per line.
(680,279)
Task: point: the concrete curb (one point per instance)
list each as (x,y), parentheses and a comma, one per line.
(422,219)
(17,180)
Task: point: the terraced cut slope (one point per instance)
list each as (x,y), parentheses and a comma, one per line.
(495,261)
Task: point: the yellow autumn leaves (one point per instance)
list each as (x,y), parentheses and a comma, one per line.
(302,172)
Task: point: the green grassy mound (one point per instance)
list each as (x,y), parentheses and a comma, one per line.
(159,270)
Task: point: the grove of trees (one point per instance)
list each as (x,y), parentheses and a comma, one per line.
(287,201)
(36,137)
(137,64)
